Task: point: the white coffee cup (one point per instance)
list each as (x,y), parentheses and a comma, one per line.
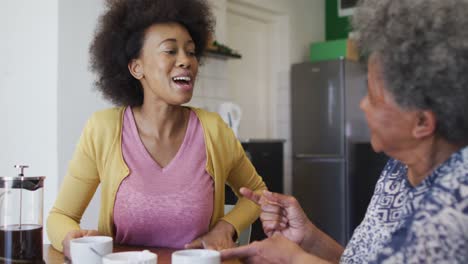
(90,249)
(131,257)
(196,256)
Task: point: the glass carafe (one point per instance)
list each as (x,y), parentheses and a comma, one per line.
(21,201)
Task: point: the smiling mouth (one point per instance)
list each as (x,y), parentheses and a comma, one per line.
(183,82)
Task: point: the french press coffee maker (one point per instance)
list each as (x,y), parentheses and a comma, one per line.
(21,201)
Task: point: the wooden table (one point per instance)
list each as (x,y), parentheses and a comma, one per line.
(52,256)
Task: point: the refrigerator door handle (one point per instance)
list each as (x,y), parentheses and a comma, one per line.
(318,157)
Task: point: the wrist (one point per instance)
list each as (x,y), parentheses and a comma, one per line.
(303,257)
(310,237)
(321,246)
(226,228)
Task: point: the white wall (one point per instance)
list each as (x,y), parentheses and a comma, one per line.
(307,26)
(28,90)
(77,98)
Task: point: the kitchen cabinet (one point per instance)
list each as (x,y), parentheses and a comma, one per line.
(267,157)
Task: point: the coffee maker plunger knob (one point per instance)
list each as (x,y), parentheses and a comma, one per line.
(21,169)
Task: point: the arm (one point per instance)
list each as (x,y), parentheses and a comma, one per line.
(245,212)
(276,249)
(282,214)
(231,166)
(77,189)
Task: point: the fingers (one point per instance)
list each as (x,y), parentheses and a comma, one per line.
(268,197)
(91,233)
(273,226)
(197,243)
(249,194)
(272,209)
(273,218)
(81,233)
(239,252)
(75,234)
(66,241)
(281,199)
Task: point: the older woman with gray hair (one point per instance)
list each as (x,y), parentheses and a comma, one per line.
(417,112)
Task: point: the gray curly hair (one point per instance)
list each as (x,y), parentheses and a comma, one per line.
(422,47)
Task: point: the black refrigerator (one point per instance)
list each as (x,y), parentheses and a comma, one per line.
(334,167)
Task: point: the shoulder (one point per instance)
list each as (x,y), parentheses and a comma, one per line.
(105,122)
(110,115)
(451,180)
(212,123)
(219,137)
(207,116)
(110,118)
(393,174)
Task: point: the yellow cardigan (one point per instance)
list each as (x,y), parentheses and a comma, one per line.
(98,160)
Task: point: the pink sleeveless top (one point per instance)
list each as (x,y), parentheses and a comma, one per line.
(163,207)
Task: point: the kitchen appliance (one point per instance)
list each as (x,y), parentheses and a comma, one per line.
(334,167)
(21,200)
(231,113)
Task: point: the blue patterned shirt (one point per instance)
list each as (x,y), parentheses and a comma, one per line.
(423,224)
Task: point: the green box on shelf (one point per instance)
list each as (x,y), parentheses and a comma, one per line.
(328,50)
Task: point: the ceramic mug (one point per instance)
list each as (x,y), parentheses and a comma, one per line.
(196,256)
(131,257)
(90,249)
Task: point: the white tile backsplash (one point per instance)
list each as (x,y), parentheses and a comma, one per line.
(212,104)
(284,130)
(198,102)
(283,113)
(283,79)
(222,90)
(199,89)
(284,97)
(211,87)
(214,68)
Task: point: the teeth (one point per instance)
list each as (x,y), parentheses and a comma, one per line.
(182,78)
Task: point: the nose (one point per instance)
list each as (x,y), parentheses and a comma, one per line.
(183,60)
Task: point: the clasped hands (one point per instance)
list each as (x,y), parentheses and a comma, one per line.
(290,233)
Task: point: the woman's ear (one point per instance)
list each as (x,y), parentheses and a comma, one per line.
(426,124)
(135,68)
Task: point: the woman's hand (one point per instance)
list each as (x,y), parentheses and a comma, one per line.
(218,238)
(75,234)
(281,214)
(277,249)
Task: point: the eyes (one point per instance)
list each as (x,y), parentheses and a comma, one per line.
(174,51)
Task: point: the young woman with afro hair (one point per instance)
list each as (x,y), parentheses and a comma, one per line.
(162,167)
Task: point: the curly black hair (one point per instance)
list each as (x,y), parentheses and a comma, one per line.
(422,46)
(119,38)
